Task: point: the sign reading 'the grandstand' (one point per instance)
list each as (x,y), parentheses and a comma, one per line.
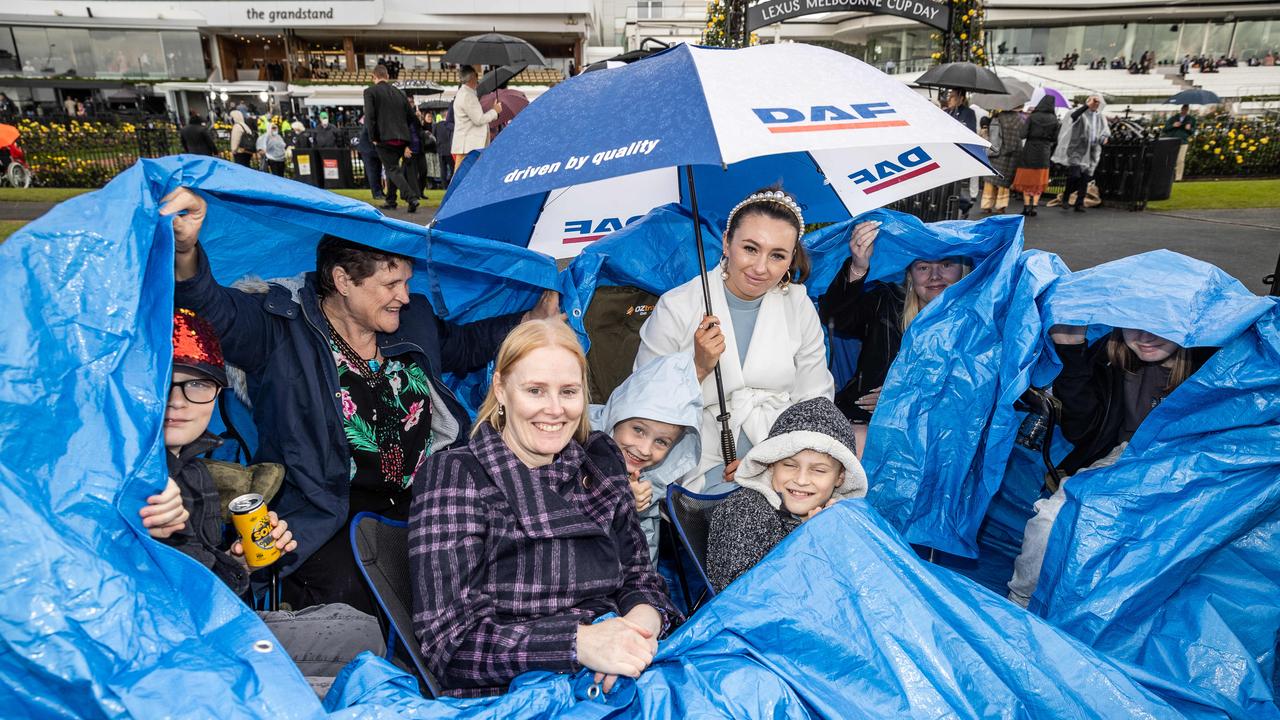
(284,13)
(929,12)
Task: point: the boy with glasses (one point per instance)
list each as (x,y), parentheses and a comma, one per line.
(320,639)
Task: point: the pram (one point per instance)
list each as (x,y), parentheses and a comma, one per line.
(13,162)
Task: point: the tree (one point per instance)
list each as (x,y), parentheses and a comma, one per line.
(966,36)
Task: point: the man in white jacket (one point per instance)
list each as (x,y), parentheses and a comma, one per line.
(470,121)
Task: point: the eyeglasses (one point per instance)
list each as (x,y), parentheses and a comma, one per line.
(200,392)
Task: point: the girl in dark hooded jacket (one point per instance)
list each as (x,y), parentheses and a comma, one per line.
(1041,134)
(1107,390)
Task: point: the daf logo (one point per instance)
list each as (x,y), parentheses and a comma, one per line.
(887,173)
(582,231)
(823,118)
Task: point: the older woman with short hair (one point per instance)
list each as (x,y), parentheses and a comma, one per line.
(520,541)
(345,372)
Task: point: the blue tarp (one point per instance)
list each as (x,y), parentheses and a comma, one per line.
(100,621)
(855,626)
(940,439)
(1169,558)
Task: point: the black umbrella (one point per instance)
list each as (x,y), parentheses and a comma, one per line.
(1194,96)
(963,76)
(493,49)
(435,105)
(498,78)
(648,47)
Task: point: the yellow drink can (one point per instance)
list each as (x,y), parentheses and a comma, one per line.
(249,515)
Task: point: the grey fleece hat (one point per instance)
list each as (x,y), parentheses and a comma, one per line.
(814,424)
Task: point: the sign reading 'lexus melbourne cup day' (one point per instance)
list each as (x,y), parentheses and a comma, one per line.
(930,12)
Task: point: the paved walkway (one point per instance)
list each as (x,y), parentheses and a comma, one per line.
(1245,243)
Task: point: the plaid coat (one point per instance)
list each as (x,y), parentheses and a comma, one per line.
(507,561)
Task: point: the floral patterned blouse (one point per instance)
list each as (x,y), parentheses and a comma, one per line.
(383,464)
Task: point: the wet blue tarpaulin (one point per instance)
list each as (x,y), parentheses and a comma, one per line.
(98,620)
(1169,557)
(855,626)
(940,439)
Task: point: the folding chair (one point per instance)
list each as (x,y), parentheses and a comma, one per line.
(381,548)
(690,513)
(1036,432)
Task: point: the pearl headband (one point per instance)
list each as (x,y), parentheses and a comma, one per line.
(776,197)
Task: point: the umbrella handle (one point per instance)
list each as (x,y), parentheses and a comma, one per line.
(727,449)
(726,436)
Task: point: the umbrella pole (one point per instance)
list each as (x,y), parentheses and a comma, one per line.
(727,450)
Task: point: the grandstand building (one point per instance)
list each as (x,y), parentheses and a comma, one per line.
(318,53)
(1028,38)
(187,55)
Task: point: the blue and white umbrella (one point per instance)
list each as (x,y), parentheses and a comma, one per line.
(606,147)
(611,144)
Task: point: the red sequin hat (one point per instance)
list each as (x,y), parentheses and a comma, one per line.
(196,347)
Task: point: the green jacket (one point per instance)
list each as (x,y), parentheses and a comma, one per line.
(1184,131)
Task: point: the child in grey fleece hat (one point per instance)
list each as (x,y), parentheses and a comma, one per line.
(805,464)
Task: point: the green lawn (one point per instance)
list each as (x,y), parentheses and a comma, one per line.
(1221,195)
(9,227)
(432,199)
(8,194)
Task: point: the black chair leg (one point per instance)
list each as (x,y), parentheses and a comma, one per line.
(667,537)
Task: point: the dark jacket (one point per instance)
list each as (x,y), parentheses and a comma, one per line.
(965,116)
(744,528)
(1041,134)
(280,339)
(198,139)
(506,561)
(444,134)
(387,113)
(202,538)
(1091,390)
(873,315)
(325,137)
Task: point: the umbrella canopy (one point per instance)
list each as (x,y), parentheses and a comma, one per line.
(513,101)
(8,135)
(499,77)
(1019,94)
(835,130)
(1195,96)
(435,105)
(420,87)
(962,76)
(493,49)
(1059,101)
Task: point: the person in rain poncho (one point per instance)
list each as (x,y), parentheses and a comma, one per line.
(806,464)
(243,140)
(1080,144)
(272,146)
(653,416)
(1107,390)
(764,331)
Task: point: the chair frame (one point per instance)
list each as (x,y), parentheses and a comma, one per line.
(426,680)
(672,492)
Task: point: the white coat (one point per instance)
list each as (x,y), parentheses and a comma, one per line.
(786,361)
(470,122)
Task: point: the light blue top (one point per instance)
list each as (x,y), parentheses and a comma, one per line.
(743,313)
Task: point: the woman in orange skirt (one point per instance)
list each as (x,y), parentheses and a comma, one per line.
(1040,133)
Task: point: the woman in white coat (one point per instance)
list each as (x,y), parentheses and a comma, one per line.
(764,331)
